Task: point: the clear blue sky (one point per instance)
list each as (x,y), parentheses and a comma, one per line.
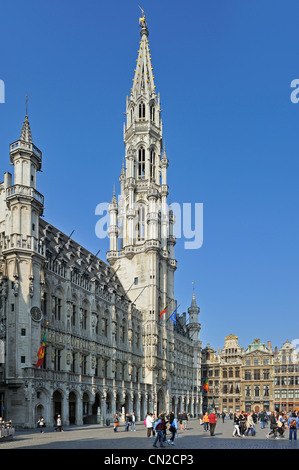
(223,69)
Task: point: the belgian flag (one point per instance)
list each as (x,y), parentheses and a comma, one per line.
(206,385)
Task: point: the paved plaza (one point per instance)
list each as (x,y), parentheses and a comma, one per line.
(96,437)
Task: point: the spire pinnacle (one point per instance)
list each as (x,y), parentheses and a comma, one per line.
(26,131)
(113,200)
(143,81)
(193,303)
(26,104)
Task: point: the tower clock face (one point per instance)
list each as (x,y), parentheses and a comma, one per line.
(36,313)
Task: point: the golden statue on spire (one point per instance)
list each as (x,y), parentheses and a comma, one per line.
(142,20)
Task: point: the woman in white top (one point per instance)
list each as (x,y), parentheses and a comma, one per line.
(149,424)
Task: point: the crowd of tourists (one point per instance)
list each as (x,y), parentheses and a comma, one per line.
(280,422)
(244,424)
(5,424)
(6,428)
(159,427)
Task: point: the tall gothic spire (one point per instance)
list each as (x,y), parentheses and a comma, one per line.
(143,81)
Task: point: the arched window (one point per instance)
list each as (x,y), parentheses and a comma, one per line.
(152,165)
(152,113)
(141,110)
(58,300)
(141,223)
(124,331)
(138,337)
(141,163)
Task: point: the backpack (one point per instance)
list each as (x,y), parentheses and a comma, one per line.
(293,424)
(160,426)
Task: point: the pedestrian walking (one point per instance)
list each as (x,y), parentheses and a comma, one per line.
(41,423)
(173,427)
(184,420)
(115,422)
(237,424)
(250,425)
(212,423)
(262,419)
(55,418)
(223,416)
(128,421)
(243,419)
(180,418)
(206,422)
(149,421)
(133,421)
(59,424)
(159,427)
(280,424)
(273,426)
(293,425)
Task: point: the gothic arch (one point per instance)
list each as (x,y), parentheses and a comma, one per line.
(161,403)
(57,397)
(118,402)
(72,399)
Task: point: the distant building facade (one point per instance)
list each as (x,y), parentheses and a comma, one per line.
(258,378)
(286,378)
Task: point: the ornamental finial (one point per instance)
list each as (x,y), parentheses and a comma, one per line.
(142,20)
(26,106)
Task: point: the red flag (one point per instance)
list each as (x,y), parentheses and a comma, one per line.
(163,311)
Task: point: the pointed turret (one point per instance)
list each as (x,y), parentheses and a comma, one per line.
(113,226)
(26,159)
(194,325)
(25,149)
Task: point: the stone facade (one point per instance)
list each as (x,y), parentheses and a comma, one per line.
(286,377)
(258,378)
(107,348)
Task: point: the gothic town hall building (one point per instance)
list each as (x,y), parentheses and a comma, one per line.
(107,348)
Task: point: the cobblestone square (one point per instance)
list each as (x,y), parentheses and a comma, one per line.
(104,438)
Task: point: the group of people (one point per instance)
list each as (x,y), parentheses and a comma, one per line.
(6,428)
(57,423)
(280,422)
(209,422)
(244,423)
(164,423)
(130,420)
(5,424)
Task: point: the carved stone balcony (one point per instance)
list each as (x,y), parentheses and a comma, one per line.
(18,190)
